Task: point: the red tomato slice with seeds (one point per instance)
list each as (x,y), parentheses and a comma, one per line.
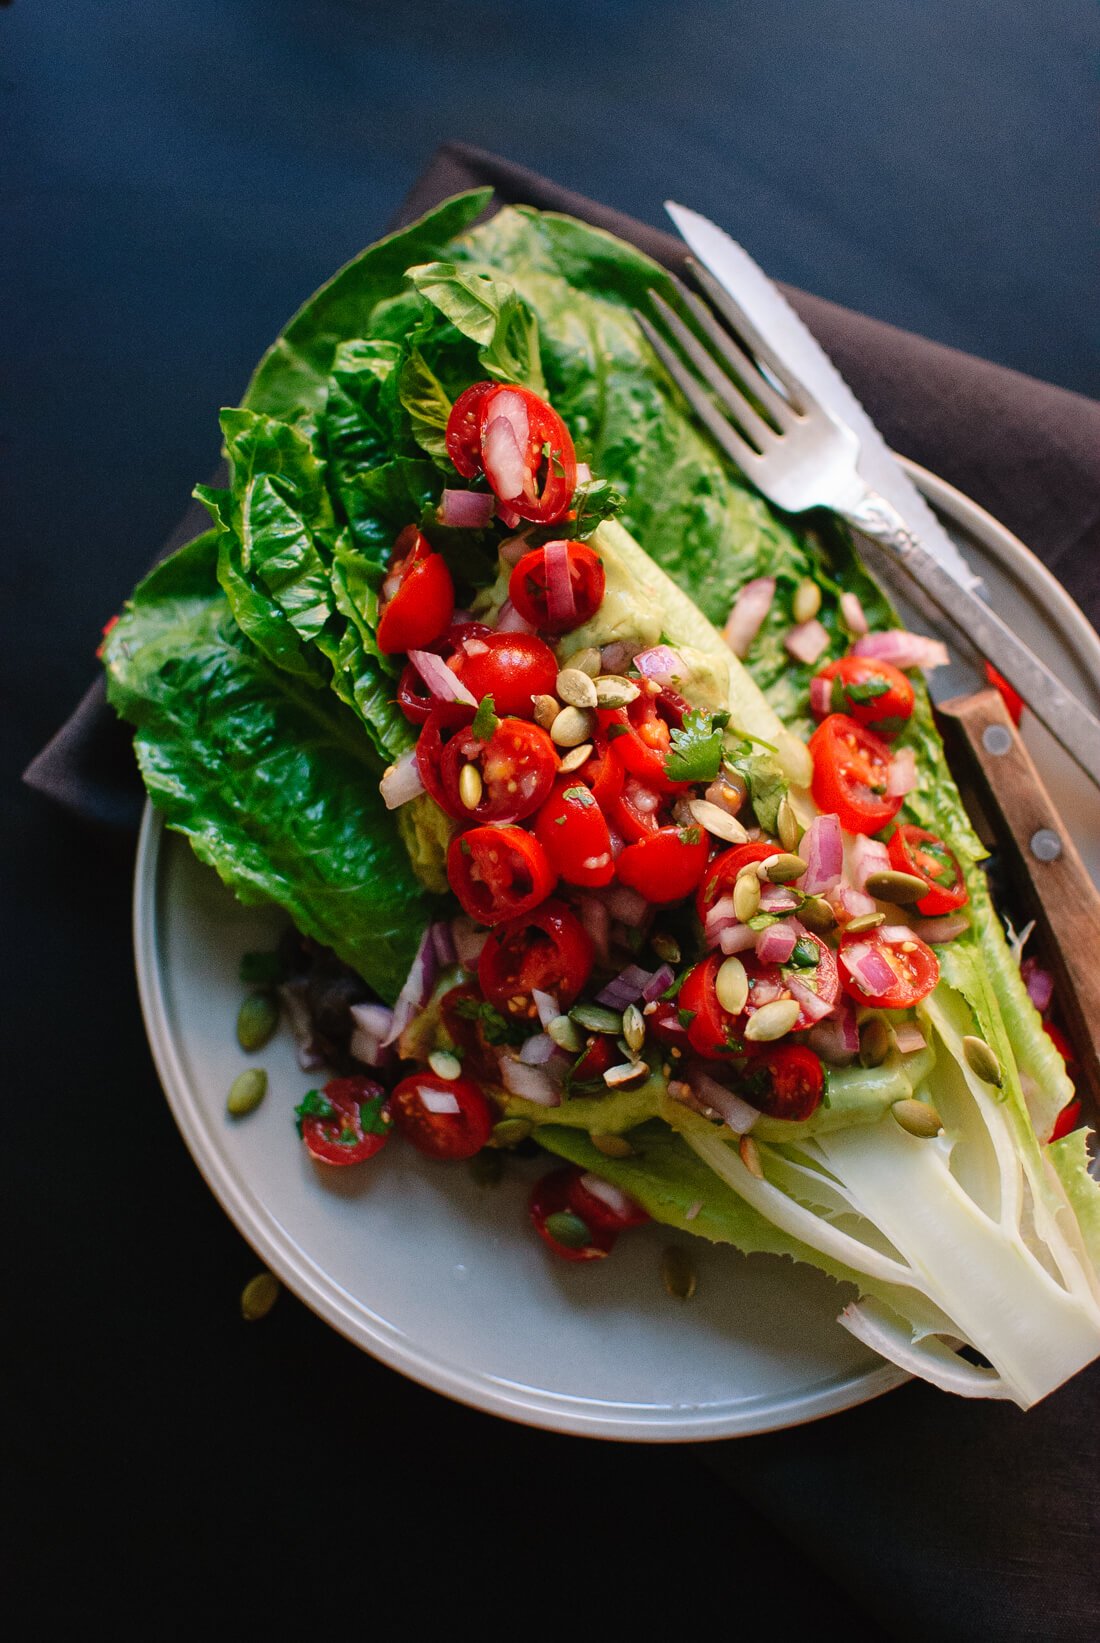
(418,596)
(665,866)
(552,1212)
(548,949)
(851,772)
(875,694)
(509,667)
(914,850)
(558,587)
(498,873)
(890,968)
(446,1118)
(527,454)
(573,831)
(345,1123)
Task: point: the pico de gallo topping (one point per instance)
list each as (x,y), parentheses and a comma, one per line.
(644,919)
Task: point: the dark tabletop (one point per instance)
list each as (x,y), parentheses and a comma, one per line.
(175,178)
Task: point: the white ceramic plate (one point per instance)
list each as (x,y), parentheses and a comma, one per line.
(443,1279)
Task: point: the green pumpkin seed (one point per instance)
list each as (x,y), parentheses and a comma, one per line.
(246,1092)
(750,1156)
(626,1075)
(575,688)
(678,1272)
(510,1132)
(566,1034)
(816,914)
(787,826)
(731,985)
(589,661)
(865,921)
(568,1229)
(982,1061)
(785,869)
(573,725)
(917,1118)
(445,1064)
(545,710)
(257,1019)
(612,690)
(874,1042)
(771,1021)
(575,758)
(258,1296)
(746,897)
(717,821)
(595,1019)
(470,786)
(666,947)
(633,1028)
(613,1146)
(807,600)
(898,888)
(486,1167)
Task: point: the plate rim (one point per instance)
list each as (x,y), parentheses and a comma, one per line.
(477,1389)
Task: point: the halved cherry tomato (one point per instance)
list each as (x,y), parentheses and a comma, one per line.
(521,434)
(665,1026)
(722,873)
(498,873)
(667,865)
(413,696)
(638,811)
(639,738)
(785,1081)
(768,982)
(597,1213)
(875,694)
(442,1117)
(418,596)
(913,850)
(572,830)
(527,587)
(851,770)
(550,1200)
(710,1029)
(912,964)
(548,949)
(346,1122)
(460,1011)
(463,435)
(1066,1121)
(517,766)
(510,667)
(1061,1043)
(593,1061)
(603,774)
(1012,699)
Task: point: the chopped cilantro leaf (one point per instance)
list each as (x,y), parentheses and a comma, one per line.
(582,795)
(686,1017)
(496,1028)
(696,749)
(805,955)
(314,1105)
(485,720)
(261,969)
(616,730)
(372,1119)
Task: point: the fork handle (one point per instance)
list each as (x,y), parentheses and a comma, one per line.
(1069,722)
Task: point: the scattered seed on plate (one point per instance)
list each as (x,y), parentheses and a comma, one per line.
(717,821)
(246,1092)
(731,985)
(575,688)
(257,1019)
(787,826)
(589,661)
(678,1272)
(894,887)
(633,1028)
(786,868)
(258,1296)
(746,896)
(612,690)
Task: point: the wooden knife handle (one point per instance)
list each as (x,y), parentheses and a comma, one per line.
(1046,865)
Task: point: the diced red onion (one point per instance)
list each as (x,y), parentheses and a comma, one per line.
(561,603)
(778,898)
(513,408)
(444,685)
(627,905)
(720,915)
(736,938)
(371,1024)
(867,968)
(775,944)
(618,1202)
(597,921)
(414,994)
(532,1083)
(902,775)
(443,944)
(1039,984)
(747,616)
(626,988)
(813,1005)
(736,1114)
(852,614)
(537,1051)
(822,849)
(513,548)
(547,1006)
(437,1101)
(806,641)
(910,1038)
(938,930)
(848,903)
(902,648)
(821,696)
(469,939)
(584,474)
(615,657)
(507,516)
(510,620)
(868,856)
(693,1209)
(661,663)
(836,1038)
(466,510)
(659,982)
(401,783)
(365,1047)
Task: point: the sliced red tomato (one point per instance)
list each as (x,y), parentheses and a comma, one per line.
(638,811)
(913,850)
(527,454)
(711,1030)
(614,1213)
(1061,1043)
(875,694)
(785,1081)
(413,696)
(555,1219)
(442,1117)
(890,968)
(721,875)
(851,771)
(1012,699)
(665,1026)
(573,831)
(346,1122)
(463,435)
(665,866)
(535,586)
(768,982)
(516,766)
(548,949)
(598,1055)
(639,738)
(603,773)
(509,667)
(498,873)
(1067,1121)
(460,1010)
(418,596)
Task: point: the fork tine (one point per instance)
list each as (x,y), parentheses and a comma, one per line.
(700,401)
(730,394)
(797,395)
(743,365)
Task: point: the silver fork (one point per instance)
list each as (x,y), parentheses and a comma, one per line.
(801,456)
